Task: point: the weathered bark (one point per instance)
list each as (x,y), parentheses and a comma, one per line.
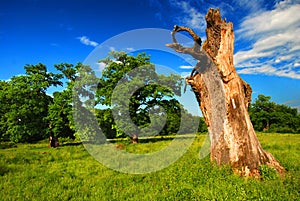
(224,98)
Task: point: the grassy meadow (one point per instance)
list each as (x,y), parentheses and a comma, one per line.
(36,172)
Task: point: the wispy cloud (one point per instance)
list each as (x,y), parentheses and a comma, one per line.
(250,6)
(270,22)
(86,41)
(186,67)
(130,49)
(276,42)
(192,17)
(269,70)
(125,49)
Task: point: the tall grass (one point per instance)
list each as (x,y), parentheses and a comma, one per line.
(35,172)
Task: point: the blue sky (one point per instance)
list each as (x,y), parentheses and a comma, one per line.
(267,35)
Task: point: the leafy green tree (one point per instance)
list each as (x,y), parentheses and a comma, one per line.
(155,93)
(260,112)
(4,108)
(60,109)
(60,115)
(106,122)
(202,126)
(26,104)
(66,103)
(269,116)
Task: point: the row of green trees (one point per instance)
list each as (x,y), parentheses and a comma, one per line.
(268,116)
(28,113)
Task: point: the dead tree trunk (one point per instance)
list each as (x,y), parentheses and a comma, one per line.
(224,98)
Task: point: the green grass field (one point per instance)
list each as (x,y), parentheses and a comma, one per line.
(35,172)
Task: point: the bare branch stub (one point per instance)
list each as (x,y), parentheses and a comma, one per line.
(197,39)
(194,51)
(179,48)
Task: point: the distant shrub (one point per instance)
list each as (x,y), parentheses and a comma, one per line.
(281,129)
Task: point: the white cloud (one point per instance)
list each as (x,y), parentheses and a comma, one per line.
(276,42)
(130,49)
(264,69)
(297,64)
(86,41)
(193,18)
(270,22)
(186,67)
(269,70)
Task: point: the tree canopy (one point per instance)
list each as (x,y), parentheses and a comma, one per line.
(24,104)
(150,96)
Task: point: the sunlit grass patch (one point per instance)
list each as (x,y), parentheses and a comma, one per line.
(36,172)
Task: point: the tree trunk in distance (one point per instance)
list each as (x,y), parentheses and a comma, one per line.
(224,98)
(134,138)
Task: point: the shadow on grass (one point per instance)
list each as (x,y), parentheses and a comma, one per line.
(142,140)
(71,144)
(147,140)
(151,139)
